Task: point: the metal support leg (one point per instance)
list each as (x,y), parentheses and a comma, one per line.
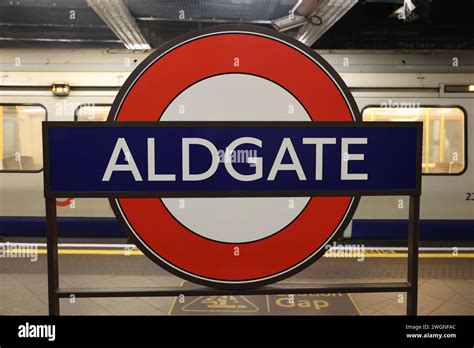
(52,248)
(413,241)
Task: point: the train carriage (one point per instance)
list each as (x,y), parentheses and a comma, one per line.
(434,87)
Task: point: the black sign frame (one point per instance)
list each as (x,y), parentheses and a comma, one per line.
(410,286)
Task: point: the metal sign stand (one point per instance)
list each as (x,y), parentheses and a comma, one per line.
(55,293)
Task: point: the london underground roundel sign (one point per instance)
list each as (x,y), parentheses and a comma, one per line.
(234,73)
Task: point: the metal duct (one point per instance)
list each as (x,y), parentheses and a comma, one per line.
(321,18)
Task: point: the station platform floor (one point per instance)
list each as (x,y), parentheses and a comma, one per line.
(446,285)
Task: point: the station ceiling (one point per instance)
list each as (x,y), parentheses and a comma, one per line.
(365,24)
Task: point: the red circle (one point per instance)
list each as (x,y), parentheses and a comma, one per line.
(64,203)
(166,78)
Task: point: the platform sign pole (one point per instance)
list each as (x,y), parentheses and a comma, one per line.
(413,241)
(52,248)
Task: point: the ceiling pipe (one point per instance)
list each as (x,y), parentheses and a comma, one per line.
(313,17)
(322,15)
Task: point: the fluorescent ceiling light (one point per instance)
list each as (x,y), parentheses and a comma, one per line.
(288,22)
(118,18)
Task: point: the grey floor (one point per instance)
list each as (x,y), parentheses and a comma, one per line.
(446,287)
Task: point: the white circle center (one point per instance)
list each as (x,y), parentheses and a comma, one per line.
(235,97)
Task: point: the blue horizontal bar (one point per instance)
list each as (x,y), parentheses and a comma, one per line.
(165,160)
(398,229)
(80,227)
(91,227)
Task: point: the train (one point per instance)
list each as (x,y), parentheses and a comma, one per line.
(434,87)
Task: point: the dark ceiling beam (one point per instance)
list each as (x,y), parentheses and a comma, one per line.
(383,1)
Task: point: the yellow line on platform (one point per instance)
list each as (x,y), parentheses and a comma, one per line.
(170,310)
(372,255)
(355,304)
(93,252)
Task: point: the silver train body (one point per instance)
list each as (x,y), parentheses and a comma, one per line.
(396,80)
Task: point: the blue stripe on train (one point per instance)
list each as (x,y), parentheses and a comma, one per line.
(361,229)
(398,229)
(20,226)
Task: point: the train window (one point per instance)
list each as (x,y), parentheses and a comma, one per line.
(92,112)
(21,137)
(443,134)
